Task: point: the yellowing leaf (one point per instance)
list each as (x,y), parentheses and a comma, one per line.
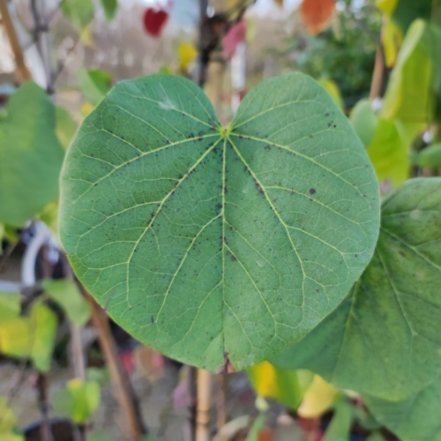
(409,95)
(333,90)
(86,36)
(8,423)
(15,338)
(386,6)
(392,37)
(187,54)
(283,385)
(318,398)
(86,108)
(31,336)
(316,14)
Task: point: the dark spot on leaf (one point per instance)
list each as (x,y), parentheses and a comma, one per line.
(312,190)
(267,147)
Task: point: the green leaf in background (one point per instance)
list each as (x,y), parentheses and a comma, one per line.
(78,400)
(435,46)
(407,11)
(284,385)
(429,156)
(389,153)
(409,95)
(109,7)
(188,232)
(95,84)
(340,427)
(30,155)
(49,216)
(9,306)
(15,338)
(385,339)
(67,295)
(44,329)
(416,418)
(79,12)
(364,121)
(66,126)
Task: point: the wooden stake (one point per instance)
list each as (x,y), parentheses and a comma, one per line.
(121,384)
(23,73)
(203,411)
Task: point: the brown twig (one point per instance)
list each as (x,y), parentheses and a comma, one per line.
(62,63)
(122,387)
(23,73)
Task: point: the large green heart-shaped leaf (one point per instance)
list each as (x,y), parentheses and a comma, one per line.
(385,339)
(30,155)
(208,242)
(415,419)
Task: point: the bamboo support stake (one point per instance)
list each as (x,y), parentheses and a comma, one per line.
(23,73)
(120,381)
(203,410)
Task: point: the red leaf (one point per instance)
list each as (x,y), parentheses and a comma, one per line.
(233,37)
(154,21)
(316,14)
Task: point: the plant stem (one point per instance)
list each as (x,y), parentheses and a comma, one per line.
(203,5)
(122,387)
(379,70)
(41,37)
(43,404)
(23,73)
(222,400)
